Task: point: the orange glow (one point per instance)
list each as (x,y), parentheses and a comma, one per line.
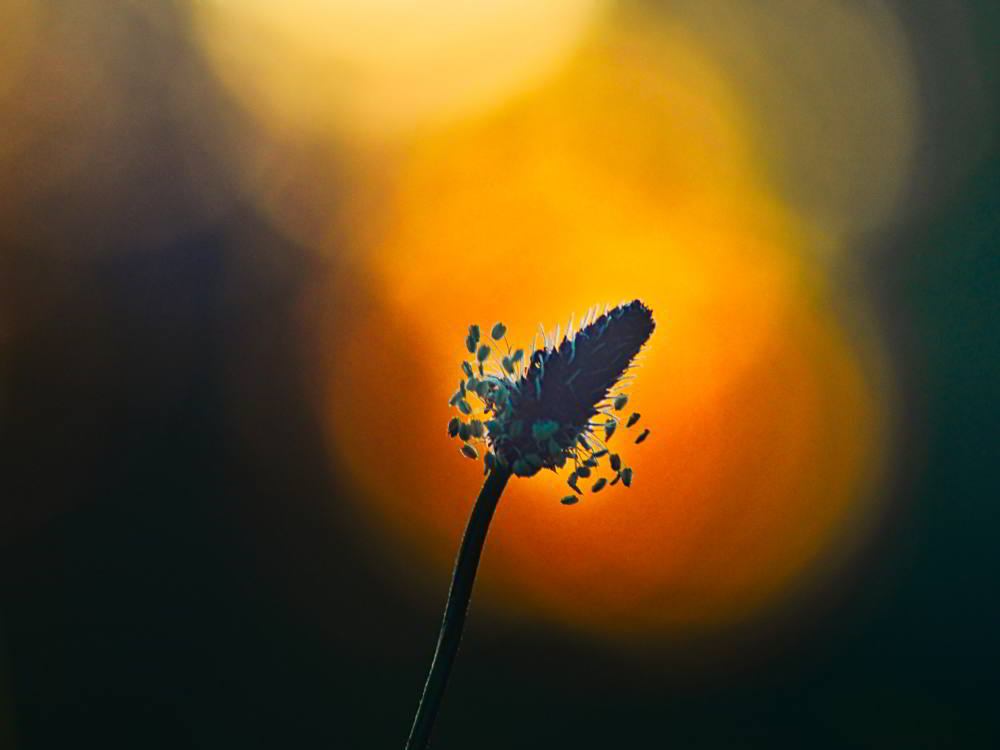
(764,424)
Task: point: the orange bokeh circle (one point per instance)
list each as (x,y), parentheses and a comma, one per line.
(766,430)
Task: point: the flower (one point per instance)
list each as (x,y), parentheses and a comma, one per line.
(559,406)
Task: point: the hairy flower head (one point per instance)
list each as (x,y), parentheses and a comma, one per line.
(560,406)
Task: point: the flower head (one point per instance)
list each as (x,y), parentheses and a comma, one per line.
(560,406)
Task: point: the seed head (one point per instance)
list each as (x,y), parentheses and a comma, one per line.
(550,410)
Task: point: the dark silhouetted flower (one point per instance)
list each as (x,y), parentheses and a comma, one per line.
(560,405)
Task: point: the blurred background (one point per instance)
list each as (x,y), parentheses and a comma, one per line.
(240,243)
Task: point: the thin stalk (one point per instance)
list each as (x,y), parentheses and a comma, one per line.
(458,605)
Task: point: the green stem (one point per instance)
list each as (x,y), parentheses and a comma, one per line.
(458,604)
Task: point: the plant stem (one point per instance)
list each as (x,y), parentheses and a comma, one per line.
(458,604)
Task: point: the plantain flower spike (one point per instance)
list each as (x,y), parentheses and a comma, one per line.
(522,415)
(559,406)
